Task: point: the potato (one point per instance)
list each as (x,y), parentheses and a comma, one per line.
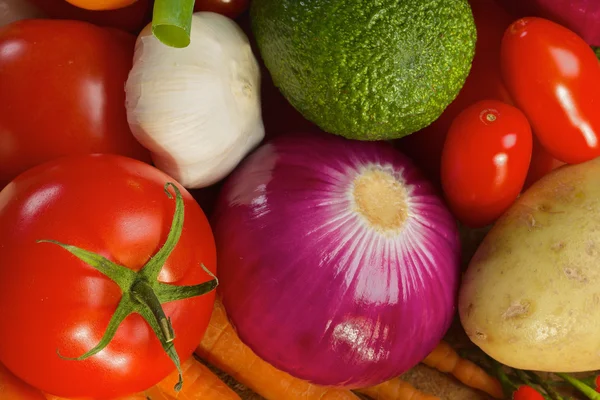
(530,297)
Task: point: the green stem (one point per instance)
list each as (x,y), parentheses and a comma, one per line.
(507,385)
(523,377)
(582,387)
(554,395)
(141,291)
(172,22)
(152,269)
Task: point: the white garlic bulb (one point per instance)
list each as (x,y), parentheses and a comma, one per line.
(197,109)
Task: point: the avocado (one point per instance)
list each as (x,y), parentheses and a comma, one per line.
(366,69)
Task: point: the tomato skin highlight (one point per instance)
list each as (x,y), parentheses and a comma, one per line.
(62,92)
(116,207)
(553,76)
(485,161)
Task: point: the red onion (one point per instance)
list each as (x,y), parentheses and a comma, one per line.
(338,262)
(580,16)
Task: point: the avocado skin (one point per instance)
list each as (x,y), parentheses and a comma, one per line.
(367,69)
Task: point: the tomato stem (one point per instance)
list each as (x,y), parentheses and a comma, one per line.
(582,387)
(142,292)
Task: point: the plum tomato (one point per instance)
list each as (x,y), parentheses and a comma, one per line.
(485,161)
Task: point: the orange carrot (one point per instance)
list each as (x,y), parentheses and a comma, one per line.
(396,389)
(200,383)
(445,359)
(222,347)
(12,388)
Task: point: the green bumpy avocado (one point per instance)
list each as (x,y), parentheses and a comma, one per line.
(367,69)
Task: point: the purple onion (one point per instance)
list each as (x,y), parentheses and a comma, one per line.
(338,262)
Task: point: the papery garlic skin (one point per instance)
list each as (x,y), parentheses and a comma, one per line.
(197,109)
(16,10)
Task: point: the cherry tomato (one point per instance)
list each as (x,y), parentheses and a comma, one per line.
(52,301)
(230,8)
(527,393)
(554,78)
(132,18)
(12,388)
(542,163)
(485,161)
(483,83)
(61,87)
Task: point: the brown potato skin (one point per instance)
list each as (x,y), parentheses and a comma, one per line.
(530,297)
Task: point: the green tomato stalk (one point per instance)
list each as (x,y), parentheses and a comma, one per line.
(142,292)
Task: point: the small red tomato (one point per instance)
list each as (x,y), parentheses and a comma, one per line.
(553,76)
(597,383)
(230,8)
(527,393)
(485,161)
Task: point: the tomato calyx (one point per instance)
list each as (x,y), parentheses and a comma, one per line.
(142,293)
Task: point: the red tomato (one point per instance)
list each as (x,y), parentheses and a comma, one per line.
(61,86)
(12,388)
(230,8)
(527,393)
(51,301)
(131,19)
(554,78)
(484,82)
(485,161)
(542,163)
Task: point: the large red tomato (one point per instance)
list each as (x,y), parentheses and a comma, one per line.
(61,90)
(52,301)
(483,83)
(554,78)
(12,388)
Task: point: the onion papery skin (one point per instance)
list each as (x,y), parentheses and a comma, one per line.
(311,285)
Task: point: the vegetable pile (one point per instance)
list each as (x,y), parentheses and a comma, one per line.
(312,198)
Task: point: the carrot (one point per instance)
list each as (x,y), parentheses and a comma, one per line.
(12,388)
(396,389)
(200,383)
(222,347)
(445,359)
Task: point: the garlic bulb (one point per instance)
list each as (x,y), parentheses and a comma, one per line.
(197,109)
(16,10)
